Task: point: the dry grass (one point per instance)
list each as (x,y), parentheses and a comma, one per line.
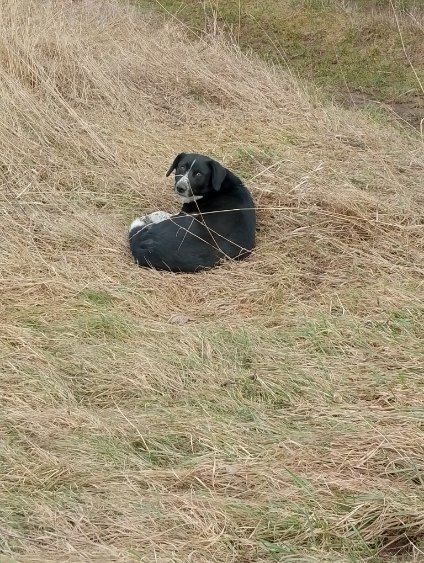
(368,54)
(266,410)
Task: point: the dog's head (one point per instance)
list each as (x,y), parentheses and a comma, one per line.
(196,176)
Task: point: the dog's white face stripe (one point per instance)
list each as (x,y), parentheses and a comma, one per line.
(184,182)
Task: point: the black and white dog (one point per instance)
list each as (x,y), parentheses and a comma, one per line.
(217,220)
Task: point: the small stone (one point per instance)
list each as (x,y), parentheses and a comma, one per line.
(179,319)
(337,397)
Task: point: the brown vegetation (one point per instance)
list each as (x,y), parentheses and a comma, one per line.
(265,410)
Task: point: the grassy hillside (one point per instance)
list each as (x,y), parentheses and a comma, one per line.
(367,54)
(270,410)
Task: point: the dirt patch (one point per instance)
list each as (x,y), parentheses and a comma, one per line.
(410,110)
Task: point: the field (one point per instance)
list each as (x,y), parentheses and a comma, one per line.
(267,410)
(365,54)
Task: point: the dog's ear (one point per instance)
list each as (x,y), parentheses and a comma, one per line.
(175,163)
(218,174)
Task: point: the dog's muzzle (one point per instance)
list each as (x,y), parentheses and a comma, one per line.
(182,187)
(181,190)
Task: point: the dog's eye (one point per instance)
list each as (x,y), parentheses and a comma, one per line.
(198,174)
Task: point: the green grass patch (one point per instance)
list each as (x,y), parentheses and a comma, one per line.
(96,298)
(103,325)
(355,49)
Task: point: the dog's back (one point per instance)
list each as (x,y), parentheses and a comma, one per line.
(229,216)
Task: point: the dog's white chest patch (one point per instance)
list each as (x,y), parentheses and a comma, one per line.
(186,199)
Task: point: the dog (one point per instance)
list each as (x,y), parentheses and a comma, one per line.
(217,220)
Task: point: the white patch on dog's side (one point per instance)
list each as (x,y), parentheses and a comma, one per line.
(145,220)
(139,222)
(158,216)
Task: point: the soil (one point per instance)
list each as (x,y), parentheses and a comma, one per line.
(411,110)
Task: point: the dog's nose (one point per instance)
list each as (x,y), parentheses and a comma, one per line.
(180,189)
